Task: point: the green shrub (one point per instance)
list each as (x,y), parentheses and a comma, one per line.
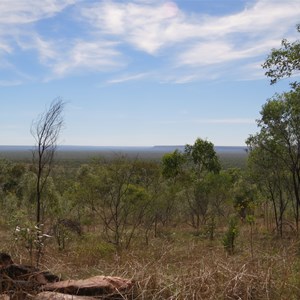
(91,249)
(230,236)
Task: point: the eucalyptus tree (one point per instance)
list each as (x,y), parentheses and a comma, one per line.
(283,62)
(189,169)
(276,147)
(273,182)
(174,174)
(173,164)
(202,160)
(120,197)
(279,136)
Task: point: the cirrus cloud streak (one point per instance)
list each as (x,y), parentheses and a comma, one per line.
(185,45)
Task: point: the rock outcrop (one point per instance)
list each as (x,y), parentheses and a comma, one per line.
(110,287)
(19,281)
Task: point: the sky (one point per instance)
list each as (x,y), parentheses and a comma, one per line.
(142,72)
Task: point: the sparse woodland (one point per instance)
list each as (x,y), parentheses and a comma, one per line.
(184,227)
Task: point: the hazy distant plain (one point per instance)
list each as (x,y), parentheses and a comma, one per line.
(230,156)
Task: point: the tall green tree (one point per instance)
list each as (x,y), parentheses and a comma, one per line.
(188,171)
(202,160)
(279,136)
(283,62)
(273,181)
(202,157)
(172,164)
(278,140)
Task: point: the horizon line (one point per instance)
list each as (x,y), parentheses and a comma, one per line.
(120,146)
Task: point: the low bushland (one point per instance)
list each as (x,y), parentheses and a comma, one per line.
(180,265)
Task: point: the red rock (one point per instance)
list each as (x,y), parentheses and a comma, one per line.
(94,286)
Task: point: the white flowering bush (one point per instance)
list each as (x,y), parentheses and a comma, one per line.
(31,237)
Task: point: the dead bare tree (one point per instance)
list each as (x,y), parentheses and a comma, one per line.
(45,130)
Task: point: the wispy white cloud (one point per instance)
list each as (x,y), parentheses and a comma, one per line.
(94,56)
(160,24)
(47,50)
(182,79)
(15,12)
(161,28)
(17,20)
(216,52)
(5,47)
(187,46)
(147,27)
(16,16)
(79,55)
(126,78)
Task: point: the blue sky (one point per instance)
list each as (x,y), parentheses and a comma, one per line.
(140,73)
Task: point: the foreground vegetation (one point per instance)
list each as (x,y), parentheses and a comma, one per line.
(183,227)
(179,265)
(131,218)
